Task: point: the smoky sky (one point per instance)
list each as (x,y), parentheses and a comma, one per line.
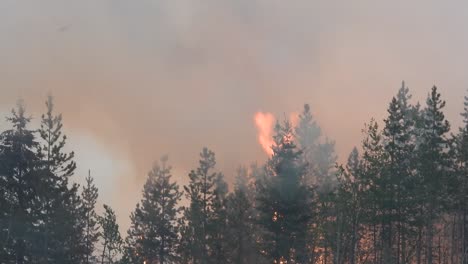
(145,78)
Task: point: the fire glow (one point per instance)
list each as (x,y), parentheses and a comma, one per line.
(265,122)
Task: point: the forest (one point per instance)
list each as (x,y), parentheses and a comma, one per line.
(401,198)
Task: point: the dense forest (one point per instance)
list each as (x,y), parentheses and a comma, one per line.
(401,198)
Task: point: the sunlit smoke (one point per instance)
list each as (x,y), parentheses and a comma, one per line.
(294,119)
(265,123)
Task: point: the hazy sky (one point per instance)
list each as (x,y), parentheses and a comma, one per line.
(138,79)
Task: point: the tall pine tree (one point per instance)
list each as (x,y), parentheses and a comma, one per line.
(155,225)
(374,160)
(398,205)
(60,200)
(433,164)
(89,218)
(241,214)
(218,229)
(460,152)
(110,236)
(18,165)
(283,201)
(201,193)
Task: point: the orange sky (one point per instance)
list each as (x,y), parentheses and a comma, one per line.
(138,79)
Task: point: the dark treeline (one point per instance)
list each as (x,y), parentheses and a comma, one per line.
(401,198)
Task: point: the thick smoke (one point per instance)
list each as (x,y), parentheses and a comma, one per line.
(145,78)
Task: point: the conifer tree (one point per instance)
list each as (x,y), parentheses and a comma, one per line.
(155,225)
(308,134)
(283,202)
(200,193)
(240,215)
(90,231)
(217,231)
(18,164)
(463,169)
(132,247)
(59,200)
(433,163)
(374,159)
(398,206)
(319,159)
(318,155)
(110,235)
(349,205)
(188,243)
(60,164)
(460,156)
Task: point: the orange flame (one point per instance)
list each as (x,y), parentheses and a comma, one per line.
(265,123)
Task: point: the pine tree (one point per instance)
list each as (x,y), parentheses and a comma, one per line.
(155,222)
(283,201)
(463,169)
(110,236)
(433,163)
(59,200)
(200,193)
(349,204)
(374,160)
(132,247)
(319,158)
(217,229)
(308,135)
(18,178)
(187,248)
(398,205)
(90,231)
(460,155)
(57,162)
(318,155)
(240,215)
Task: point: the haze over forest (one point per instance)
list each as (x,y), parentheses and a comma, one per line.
(136,80)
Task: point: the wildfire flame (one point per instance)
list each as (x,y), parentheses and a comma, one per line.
(265,123)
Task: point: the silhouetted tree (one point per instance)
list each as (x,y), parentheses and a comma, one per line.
(60,203)
(398,204)
(155,225)
(283,201)
(433,163)
(462,169)
(90,219)
(18,180)
(200,193)
(110,236)
(217,228)
(241,216)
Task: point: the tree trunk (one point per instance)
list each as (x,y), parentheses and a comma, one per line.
(103,253)
(430,236)
(353,241)
(161,251)
(419,245)
(338,240)
(464,259)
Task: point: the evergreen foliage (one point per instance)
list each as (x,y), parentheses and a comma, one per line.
(401,198)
